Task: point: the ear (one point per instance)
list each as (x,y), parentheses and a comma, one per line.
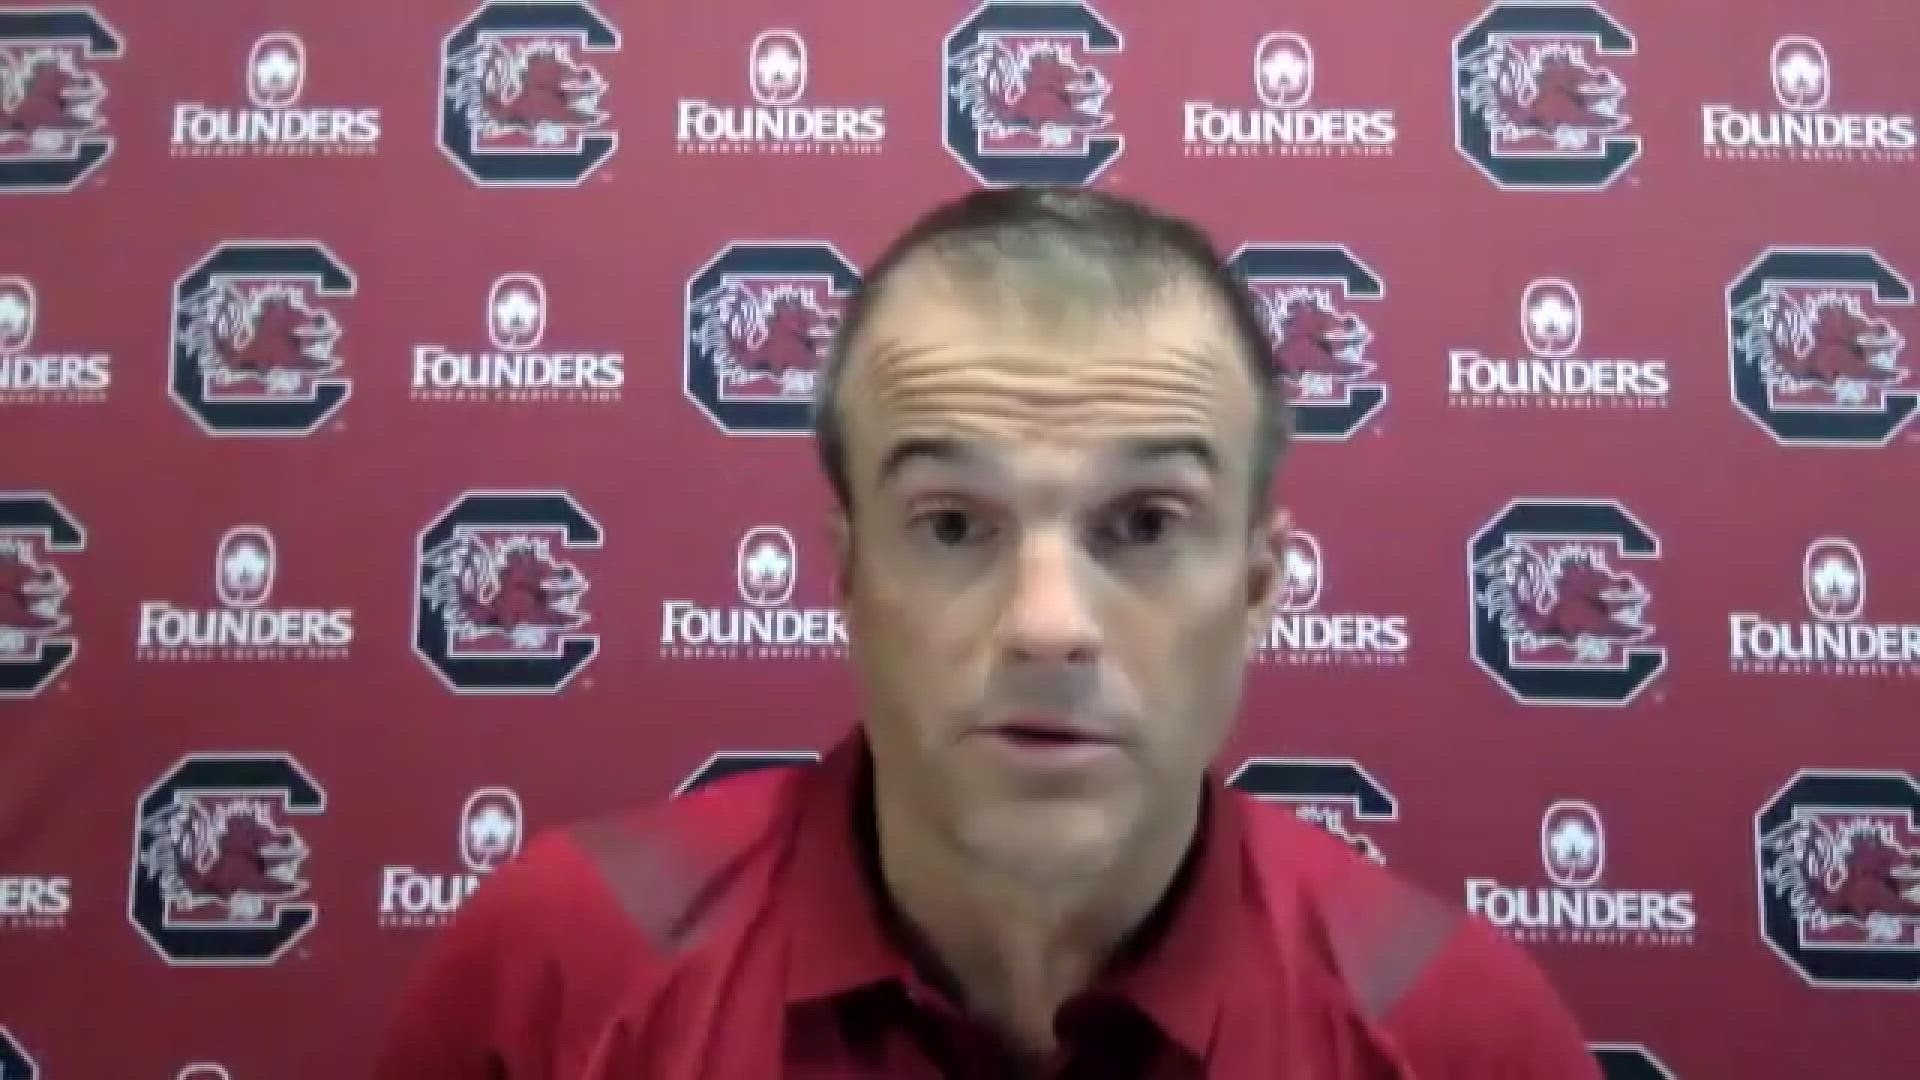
(1264,575)
(840,535)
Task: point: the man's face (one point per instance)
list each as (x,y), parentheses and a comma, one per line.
(1051,578)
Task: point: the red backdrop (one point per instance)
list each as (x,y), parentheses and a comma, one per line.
(401,411)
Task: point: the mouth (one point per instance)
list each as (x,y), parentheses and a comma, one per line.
(1053,743)
(1042,736)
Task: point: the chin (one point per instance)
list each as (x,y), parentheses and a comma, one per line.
(1048,840)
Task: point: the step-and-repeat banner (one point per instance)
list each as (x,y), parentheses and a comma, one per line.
(402,451)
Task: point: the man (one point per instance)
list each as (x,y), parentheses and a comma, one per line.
(1049,421)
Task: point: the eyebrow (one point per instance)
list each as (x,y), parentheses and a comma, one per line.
(1146,450)
(1164,448)
(907,451)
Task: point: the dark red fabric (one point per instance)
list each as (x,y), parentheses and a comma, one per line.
(735,933)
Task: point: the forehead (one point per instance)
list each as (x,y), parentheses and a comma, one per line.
(1013,367)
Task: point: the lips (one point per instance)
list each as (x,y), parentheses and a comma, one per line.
(1047,732)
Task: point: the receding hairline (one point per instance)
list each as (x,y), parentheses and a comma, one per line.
(1046,305)
(1051,291)
(1052,310)
(1059,255)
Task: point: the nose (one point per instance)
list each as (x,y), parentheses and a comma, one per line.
(1048,619)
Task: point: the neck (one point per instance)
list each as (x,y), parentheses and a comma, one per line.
(1017,947)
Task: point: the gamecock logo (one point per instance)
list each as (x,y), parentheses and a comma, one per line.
(1565,594)
(1535,109)
(1026,102)
(520,95)
(1823,340)
(1317,346)
(498,607)
(269,334)
(254,340)
(1333,793)
(1812,360)
(34,643)
(505,586)
(52,132)
(1554,621)
(1838,854)
(760,318)
(1320,346)
(219,867)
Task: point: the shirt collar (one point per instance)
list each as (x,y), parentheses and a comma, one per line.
(838,940)
(1186,959)
(1178,971)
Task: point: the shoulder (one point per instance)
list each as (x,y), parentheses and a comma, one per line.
(1482,1007)
(649,878)
(546,948)
(1453,997)
(677,868)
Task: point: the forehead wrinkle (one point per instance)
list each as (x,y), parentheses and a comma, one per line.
(1090,442)
(943,361)
(1036,390)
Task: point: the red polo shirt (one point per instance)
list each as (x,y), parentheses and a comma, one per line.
(737,933)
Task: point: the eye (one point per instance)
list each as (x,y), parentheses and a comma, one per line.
(1141,523)
(951,526)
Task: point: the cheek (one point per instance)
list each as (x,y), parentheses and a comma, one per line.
(907,633)
(1195,663)
(887,608)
